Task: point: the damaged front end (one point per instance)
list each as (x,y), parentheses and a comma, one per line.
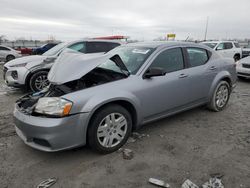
(29,104)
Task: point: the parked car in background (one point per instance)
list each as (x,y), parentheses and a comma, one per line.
(101,100)
(31,71)
(243,68)
(228,49)
(246,51)
(24,51)
(7,53)
(44,48)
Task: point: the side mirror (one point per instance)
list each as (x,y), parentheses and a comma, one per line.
(153,72)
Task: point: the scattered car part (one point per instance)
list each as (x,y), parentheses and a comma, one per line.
(47,183)
(128,154)
(188,184)
(158,182)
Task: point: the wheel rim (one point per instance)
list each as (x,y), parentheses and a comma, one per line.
(41,82)
(222,96)
(112,130)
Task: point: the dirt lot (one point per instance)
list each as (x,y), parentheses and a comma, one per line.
(192,145)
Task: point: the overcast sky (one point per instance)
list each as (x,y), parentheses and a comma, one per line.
(139,19)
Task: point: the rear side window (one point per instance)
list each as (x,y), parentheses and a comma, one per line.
(170,60)
(228,45)
(80,47)
(96,47)
(197,56)
(3,48)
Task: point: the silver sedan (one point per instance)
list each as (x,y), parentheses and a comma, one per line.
(100,100)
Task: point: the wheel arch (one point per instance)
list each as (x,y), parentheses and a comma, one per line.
(222,76)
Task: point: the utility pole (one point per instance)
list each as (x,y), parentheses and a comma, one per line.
(205,38)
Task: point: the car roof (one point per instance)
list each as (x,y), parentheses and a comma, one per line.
(96,40)
(157,44)
(218,41)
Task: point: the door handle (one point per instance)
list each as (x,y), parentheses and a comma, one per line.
(183,75)
(213,68)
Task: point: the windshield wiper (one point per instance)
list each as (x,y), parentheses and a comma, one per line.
(118,61)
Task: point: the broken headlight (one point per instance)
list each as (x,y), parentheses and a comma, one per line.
(54,106)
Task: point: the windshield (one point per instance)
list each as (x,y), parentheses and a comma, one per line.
(132,57)
(211,45)
(53,51)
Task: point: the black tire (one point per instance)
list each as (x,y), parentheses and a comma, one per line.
(213,103)
(33,82)
(236,57)
(96,121)
(9,58)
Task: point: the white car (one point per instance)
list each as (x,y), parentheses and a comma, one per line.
(243,68)
(228,49)
(31,72)
(7,53)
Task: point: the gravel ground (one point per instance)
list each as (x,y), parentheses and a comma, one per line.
(193,144)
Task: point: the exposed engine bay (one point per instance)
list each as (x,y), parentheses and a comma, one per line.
(96,77)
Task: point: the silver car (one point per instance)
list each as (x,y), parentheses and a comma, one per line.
(100,100)
(8,54)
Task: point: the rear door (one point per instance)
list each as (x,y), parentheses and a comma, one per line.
(201,73)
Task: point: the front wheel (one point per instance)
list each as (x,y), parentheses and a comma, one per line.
(39,81)
(109,129)
(220,97)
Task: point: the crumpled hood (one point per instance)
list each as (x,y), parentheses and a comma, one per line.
(30,60)
(73,66)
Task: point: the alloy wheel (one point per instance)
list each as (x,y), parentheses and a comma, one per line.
(112,130)
(222,96)
(41,82)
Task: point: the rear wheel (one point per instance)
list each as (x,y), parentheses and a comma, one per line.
(220,97)
(39,81)
(9,58)
(109,129)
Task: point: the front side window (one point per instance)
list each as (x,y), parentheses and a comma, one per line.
(132,57)
(80,47)
(221,46)
(170,60)
(197,56)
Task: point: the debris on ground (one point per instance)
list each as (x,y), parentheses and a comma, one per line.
(157,182)
(213,183)
(47,183)
(131,140)
(188,184)
(161,135)
(137,135)
(128,154)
